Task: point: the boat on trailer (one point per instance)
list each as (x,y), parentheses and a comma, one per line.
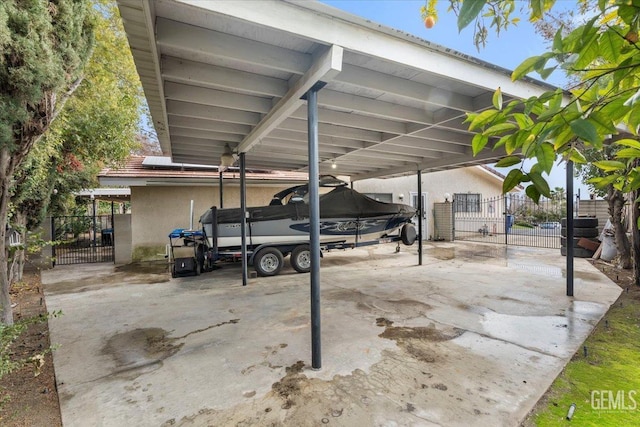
(348,219)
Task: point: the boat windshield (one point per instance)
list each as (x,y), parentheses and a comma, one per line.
(299,194)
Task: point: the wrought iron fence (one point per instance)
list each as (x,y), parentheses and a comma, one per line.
(512,219)
(82,239)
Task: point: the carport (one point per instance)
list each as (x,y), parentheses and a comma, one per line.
(302,86)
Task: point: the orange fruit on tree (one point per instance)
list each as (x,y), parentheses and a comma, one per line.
(429,22)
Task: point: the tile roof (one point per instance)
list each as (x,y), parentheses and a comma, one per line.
(134,169)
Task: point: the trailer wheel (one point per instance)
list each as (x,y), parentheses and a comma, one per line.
(200,258)
(301,259)
(268,262)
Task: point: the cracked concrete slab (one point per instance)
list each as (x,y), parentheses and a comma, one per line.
(474,336)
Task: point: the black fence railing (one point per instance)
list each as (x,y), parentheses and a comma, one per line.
(512,220)
(82,239)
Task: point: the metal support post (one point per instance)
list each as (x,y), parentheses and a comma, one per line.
(221,191)
(113,232)
(243,220)
(569,228)
(420,216)
(314,227)
(93,200)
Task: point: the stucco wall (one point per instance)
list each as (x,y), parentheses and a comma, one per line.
(158,210)
(122,238)
(435,184)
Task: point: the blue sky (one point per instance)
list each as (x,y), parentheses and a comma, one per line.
(507,50)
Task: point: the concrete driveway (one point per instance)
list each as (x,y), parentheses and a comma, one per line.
(473,337)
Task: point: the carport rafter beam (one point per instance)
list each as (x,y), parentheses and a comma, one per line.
(173,35)
(325,68)
(215,77)
(133,18)
(385,43)
(370,79)
(486,156)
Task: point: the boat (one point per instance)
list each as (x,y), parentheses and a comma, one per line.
(347,219)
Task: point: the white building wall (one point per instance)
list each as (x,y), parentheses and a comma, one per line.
(159,209)
(436,184)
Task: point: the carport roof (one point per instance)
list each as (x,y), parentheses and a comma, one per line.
(233,72)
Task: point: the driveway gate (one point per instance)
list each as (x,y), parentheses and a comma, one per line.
(82,239)
(511,219)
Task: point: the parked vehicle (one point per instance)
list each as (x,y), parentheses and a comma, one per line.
(348,219)
(550,225)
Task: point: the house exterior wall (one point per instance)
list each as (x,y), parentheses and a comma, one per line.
(156,210)
(122,238)
(435,184)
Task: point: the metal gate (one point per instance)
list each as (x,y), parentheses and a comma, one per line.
(82,239)
(511,219)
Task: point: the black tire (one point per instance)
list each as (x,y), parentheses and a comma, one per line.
(408,234)
(581,222)
(268,262)
(200,258)
(580,232)
(563,242)
(301,259)
(578,252)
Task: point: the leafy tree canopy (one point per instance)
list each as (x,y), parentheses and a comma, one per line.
(44,46)
(604,55)
(98,127)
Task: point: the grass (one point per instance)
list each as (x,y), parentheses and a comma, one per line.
(598,382)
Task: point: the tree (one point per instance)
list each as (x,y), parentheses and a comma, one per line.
(566,21)
(615,198)
(99,127)
(44,47)
(603,108)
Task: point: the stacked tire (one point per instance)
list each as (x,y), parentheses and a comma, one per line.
(583,228)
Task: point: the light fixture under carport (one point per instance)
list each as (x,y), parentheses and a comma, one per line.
(227,159)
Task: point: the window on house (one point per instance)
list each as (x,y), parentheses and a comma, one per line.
(466,202)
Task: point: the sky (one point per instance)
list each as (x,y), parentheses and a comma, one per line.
(507,50)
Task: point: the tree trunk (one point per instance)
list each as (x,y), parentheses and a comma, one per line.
(616,206)
(635,236)
(19,257)
(6,312)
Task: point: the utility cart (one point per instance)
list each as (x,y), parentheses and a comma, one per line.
(187,252)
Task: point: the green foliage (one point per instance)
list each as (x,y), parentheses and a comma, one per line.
(603,55)
(611,364)
(43,48)
(97,128)
(8,336)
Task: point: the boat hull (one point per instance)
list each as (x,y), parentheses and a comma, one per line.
(291,231)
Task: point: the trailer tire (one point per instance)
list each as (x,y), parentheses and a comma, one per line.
(408,234)
(268,262)
(580,232)
(301,259)
(200,259)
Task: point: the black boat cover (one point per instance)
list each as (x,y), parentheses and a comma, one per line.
(341,202)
